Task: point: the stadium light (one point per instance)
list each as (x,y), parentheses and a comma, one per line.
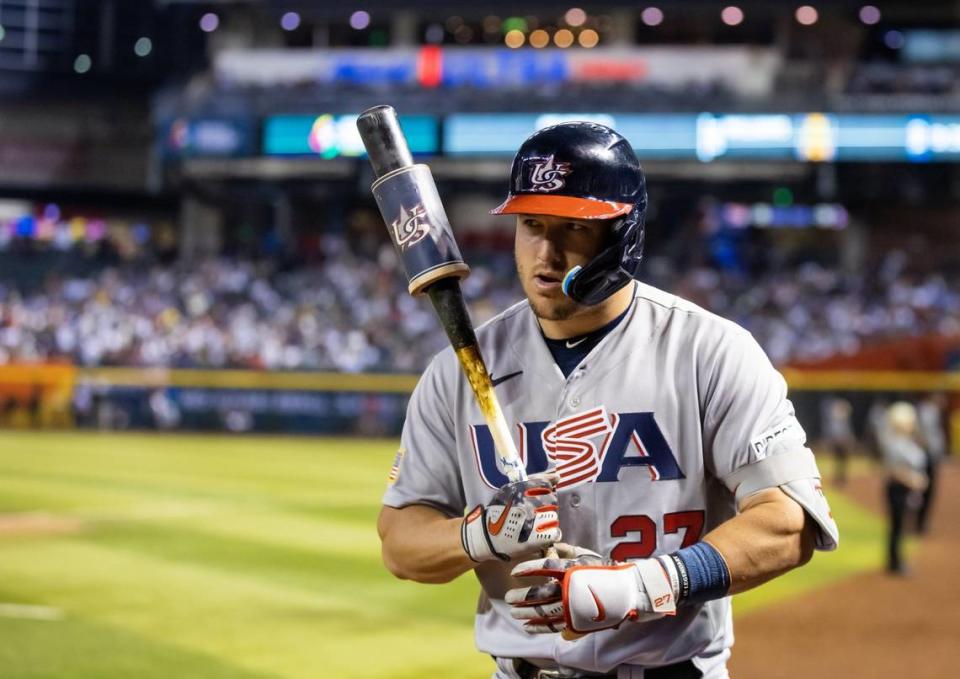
(359,20)
(588,38)
(652,16)
(732,15)
(575,17)
(51,211)
(782,196)
(806,15)
(893,39)
(143,46)
(869,15)
(563,38)
(209,22)
(514,39)
(763,214)
(290,21)
(514,23)
(434,34)
(492,24)
(82,63)
(539,38)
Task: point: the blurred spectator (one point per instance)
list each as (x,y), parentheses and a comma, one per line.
(838,434)
(932,434)
(906,464)
(166,413)
(875,424)
(810,312)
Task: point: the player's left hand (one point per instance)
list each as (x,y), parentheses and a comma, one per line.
(587,593)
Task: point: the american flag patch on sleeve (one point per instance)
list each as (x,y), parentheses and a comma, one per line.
(395,469)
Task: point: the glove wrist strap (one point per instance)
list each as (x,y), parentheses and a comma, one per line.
(475,539)
(656,582)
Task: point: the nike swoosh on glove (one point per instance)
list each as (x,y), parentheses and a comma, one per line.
(520,520)
(589,594)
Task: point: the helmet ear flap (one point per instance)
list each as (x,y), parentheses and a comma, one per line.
(615,266)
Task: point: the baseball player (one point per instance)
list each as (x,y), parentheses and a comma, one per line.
(659,440)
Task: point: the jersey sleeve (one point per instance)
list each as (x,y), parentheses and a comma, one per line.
(752,439)
(425,470)
(744,405)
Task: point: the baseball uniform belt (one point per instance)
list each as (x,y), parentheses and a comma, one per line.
(680,670)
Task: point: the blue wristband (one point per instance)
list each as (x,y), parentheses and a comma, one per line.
(703,573)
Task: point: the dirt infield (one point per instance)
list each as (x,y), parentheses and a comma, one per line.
(874,625)
(37,524)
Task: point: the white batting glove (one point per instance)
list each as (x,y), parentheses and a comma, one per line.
(520,520)
(588,594)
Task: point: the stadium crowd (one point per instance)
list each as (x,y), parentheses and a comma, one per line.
(809,312)
(352,313)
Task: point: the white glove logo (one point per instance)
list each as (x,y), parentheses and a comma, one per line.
(601,613)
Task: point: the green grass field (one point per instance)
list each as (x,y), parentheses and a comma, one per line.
(130,555)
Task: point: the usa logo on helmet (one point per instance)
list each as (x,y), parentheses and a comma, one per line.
(546,174)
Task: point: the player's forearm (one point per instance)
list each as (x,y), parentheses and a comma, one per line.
(421,544)
(769,537)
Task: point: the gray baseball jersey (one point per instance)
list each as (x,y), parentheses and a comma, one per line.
(643,432)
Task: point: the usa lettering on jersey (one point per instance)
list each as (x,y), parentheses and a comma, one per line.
(571,445)
(591,447)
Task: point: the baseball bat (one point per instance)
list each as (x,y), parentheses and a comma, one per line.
(413,213)
(430,256)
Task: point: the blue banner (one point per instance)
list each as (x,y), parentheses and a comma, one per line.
(336,136)
(808,137)
(211,137)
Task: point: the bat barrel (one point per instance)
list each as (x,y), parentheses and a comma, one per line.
(383,139)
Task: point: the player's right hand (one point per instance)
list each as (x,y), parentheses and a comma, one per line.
(520,520)
(588,593)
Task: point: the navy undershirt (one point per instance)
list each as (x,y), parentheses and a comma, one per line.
(568,357)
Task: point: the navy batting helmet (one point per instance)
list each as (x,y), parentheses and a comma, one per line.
(584,171)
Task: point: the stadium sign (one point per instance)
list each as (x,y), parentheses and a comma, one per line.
(221,137)
(746,70)
(806,137)
(335,136)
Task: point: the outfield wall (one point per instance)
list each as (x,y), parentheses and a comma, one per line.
(335,403)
